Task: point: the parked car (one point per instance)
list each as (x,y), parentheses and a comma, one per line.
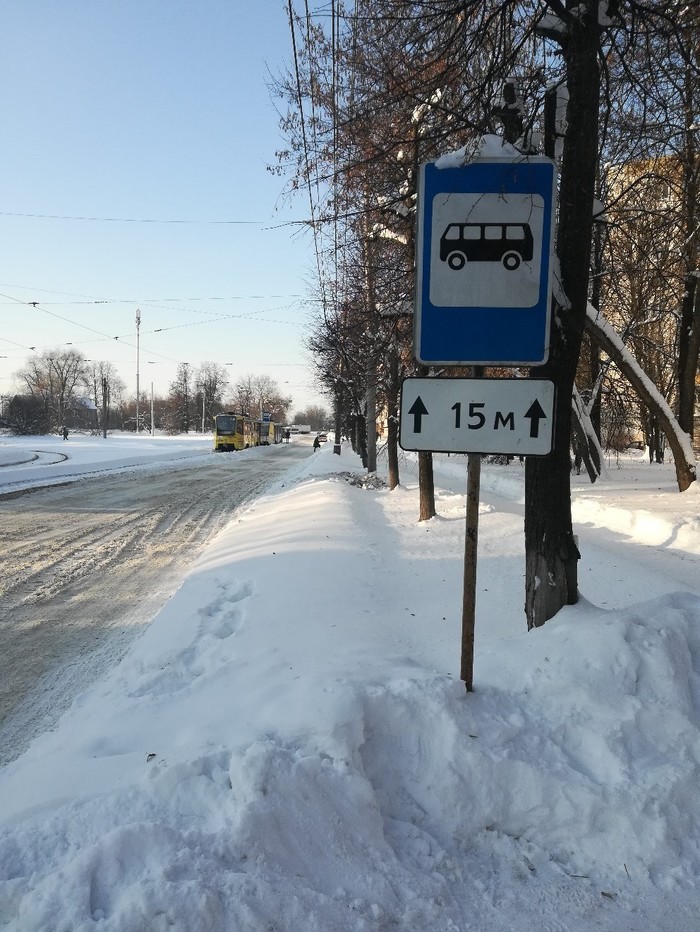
(321,437)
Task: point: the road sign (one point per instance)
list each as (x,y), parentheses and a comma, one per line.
(483,263)
(512,416)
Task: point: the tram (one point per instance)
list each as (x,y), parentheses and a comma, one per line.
(239,432)
(271,433)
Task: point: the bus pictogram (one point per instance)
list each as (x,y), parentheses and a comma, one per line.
(508,243)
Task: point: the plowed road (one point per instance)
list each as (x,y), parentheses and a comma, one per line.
(85,566)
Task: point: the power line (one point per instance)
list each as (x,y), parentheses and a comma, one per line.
(260,223)
(154,302)
(300,103)
(123,339)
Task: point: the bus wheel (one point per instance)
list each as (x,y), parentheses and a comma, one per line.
(456,260)
(511,261)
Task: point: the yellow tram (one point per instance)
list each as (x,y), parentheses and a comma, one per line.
(235,432)
(271,433)
(239,431)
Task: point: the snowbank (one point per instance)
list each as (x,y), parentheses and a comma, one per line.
(288,747)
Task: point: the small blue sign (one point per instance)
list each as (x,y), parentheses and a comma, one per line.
(484,263)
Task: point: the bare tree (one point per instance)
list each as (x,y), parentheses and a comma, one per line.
(55,376)
(179,415)
(104,385)
(317,417)
(255,394)
(212,382)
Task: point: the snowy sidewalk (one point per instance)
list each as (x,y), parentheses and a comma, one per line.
(289,747)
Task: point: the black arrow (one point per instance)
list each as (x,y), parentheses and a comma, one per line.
(536,413)
(417,409)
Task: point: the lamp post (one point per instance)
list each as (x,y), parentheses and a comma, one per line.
(152,362)
(138,327)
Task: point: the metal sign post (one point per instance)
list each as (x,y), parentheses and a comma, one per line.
(483,295)
(471,540)
(476,416)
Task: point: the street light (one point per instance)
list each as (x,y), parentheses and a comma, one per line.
(138,327)
(152,362)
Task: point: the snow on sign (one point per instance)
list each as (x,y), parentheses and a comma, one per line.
(483,262)
(477,416)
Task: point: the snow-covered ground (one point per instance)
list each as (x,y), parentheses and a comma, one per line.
(288,747)
(49,460)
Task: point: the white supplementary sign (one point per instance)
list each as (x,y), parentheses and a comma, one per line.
(509,416)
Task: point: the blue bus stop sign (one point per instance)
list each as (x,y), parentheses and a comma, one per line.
(484,263)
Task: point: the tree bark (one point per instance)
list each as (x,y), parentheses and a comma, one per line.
(426,484)
(392,404)
(551,553)
(688,352)
(586,439)
(372,417)
(689,342)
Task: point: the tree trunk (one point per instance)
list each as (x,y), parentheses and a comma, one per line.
(338,418)
(688,352)
(392,404)
(551,551)
(372,417)
(426,485)
(426,478)
(689,342)
(586,439)
(361,438)
(594,367)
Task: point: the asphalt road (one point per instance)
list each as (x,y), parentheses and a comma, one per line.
(85,566)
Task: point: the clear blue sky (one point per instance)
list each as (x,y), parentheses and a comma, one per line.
(149,110)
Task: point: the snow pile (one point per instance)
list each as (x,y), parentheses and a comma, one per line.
(485,147)
(288,747)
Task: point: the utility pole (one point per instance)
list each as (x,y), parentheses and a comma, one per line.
(138,327)
(105,406)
